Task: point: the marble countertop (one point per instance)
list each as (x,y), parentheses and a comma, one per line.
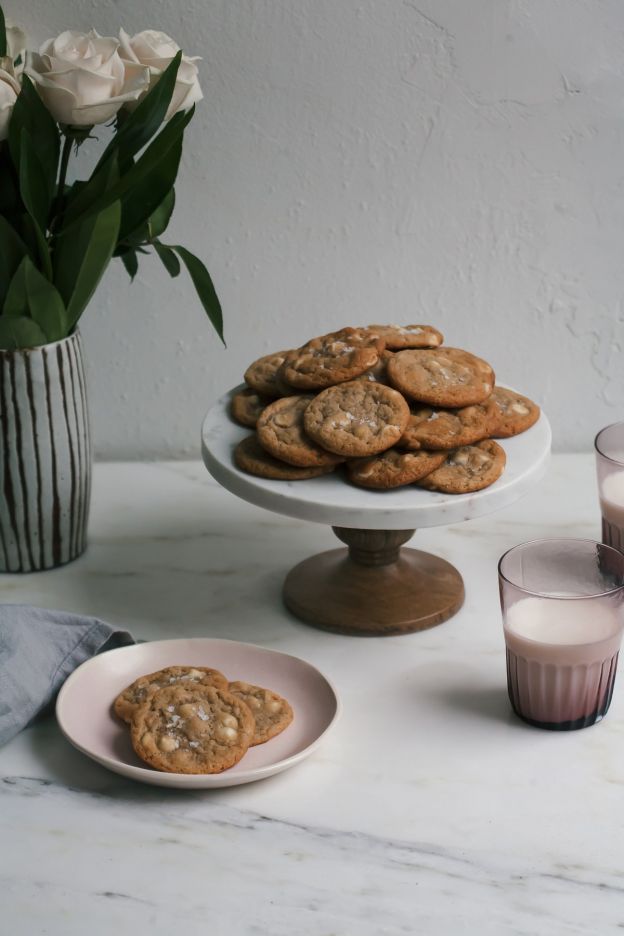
(429,810)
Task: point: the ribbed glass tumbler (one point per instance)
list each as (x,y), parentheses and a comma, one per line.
(609,446)
(563,615)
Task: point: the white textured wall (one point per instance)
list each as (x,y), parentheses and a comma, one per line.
(459,162)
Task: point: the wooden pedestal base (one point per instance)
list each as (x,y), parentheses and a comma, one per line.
(374,588)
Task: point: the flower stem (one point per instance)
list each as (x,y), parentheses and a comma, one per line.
(60,194)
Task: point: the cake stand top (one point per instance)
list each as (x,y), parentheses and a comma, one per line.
(331,500)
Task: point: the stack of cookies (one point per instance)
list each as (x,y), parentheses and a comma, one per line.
(190,719)
(389,403)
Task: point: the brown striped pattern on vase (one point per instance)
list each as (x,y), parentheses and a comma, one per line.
(45,456)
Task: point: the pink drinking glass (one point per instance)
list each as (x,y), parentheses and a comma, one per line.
(609,446)
(563,616)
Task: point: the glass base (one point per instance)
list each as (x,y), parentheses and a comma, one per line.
(585,722)
(537,691)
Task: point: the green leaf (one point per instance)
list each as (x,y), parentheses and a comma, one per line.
(146,197)
(129,260)
(155,225)
(16,300)
(31,114)
(159,220)
(32,182)
(10,202)
(3,38)
(81,257)
(36,243)
(168,257)
(31,294)
(86,204)
(83,193)
(205,289)
(12,252)
(22,332)
(45,304)
(143,122)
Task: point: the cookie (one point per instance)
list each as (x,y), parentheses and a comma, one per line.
(393,468)
(432,428)
(398,337)
(249,456)
(271,712)
(442,377)
(246,406)
(467,469)
(332,359)
(262,375)
(192,730)
(358,418)
(514,413)
(378,373)
(134,695)
(281,433)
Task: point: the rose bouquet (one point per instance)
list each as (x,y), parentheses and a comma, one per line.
(56,238)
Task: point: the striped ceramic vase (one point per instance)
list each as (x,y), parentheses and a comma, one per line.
(45,456)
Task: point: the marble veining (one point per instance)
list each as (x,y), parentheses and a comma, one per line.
(430,809)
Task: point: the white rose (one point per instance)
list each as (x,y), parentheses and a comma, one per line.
(82,79)
(156,50)
(16,46)
(9,89)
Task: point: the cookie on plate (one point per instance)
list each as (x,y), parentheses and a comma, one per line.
(467,469)
(134,695)
(514,413)
(398,337)
(442,377)
(250,457)
(393,468)
(281,433)
(272,713)
(332,359)
(433,428)
(358,418)
(263,375)
(192,729)
(246,406)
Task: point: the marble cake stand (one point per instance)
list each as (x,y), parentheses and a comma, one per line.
(374,587)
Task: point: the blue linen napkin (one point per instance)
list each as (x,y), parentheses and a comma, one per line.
(39,648)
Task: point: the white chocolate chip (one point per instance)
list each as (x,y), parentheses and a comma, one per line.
(229,720)
(274,706)
(168,744)
(519,408)
(228,734)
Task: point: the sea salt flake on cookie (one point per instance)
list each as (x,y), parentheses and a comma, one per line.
(357,418)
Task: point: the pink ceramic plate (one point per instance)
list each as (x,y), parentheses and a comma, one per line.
(85,715)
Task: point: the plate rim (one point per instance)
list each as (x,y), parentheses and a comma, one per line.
(195,781)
